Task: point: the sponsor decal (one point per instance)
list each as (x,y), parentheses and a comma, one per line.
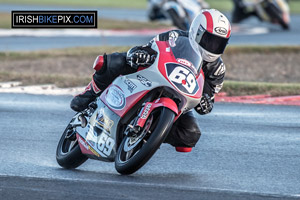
(91,138)
(130,84)
(87,147)
(172,38)
(146,111)
(94,152)
(115,98)
(102,143)
(184,62)
(83,143)
(144,80)
(105,145)
(103,122)
(182,78)
(221,30)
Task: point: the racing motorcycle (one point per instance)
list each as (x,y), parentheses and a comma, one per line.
(275,11)
(129,121)
(180,12)
(272,11)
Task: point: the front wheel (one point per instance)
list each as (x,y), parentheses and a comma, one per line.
(135,150)
(68,153)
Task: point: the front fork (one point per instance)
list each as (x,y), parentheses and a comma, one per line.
(148,108)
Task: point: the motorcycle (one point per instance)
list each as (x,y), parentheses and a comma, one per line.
(272,11)
(129,121)
(275,11)
(180,12)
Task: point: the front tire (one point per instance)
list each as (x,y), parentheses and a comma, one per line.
(68,153)
(132,156)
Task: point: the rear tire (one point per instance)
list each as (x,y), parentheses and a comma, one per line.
(68,153)
(128,162)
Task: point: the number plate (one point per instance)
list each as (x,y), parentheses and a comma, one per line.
(182,78)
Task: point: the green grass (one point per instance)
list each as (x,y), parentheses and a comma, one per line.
(232,88)
(223,5)
(295,6)
(227,5)
(261,49)
(85,3)
(62,81)
(238,88)
(125,25)
(78,51)
(5,20)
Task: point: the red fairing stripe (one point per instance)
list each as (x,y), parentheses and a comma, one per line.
(98,63)
(210,22)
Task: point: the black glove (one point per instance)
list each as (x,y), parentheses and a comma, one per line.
(140,56)
(206,104)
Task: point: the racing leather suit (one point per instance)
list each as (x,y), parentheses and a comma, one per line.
(185,131)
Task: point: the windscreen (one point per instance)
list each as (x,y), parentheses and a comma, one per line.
(184,50)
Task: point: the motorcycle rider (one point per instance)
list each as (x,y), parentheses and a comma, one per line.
(211,30)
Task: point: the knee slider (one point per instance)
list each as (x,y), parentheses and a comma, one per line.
(100,63)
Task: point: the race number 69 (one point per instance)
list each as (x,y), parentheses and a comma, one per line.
(105,144)
(183,76)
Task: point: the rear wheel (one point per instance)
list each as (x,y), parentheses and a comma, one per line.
(68,153)
(136,149)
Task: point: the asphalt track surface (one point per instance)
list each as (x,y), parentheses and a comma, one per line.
(250,32)
(245,152)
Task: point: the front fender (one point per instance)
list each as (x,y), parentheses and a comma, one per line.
(150,106)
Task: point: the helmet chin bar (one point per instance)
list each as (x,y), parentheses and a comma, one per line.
(207,56)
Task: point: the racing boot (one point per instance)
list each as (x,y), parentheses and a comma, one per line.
(82,100)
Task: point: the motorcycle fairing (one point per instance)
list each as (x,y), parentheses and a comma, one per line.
(182,78)
(150,78)
(165,59)
(98,139)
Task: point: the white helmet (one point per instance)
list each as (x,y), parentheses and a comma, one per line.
(211,30)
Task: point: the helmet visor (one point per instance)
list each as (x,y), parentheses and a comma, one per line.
(213,43)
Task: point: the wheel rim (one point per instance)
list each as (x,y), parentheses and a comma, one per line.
(133,144)
(70,141)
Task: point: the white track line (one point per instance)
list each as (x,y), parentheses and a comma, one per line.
(77,32)
(14,87)
(238,30)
